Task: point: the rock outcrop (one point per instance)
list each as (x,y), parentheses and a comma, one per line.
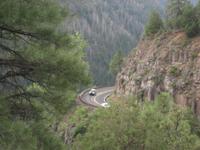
(171,63)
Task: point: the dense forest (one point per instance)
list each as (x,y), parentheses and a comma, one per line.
(180,15)
(132,122)
(108,26)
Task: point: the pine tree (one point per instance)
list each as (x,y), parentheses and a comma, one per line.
(116,63)
(154,25)
(40,71)
(174,11)
(189,21)
(198,12)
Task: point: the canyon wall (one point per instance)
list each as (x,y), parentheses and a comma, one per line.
(166,63)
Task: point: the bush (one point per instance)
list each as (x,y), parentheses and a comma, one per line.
(174,71)
(191,29)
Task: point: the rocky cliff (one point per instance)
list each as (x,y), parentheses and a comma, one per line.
(169,62)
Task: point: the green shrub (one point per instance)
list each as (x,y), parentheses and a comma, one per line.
(195,54)
(129,125)
(174,71)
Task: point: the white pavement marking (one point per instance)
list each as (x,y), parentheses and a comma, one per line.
(101,93)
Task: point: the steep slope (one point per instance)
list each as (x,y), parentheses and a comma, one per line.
(169,62)
(108,26)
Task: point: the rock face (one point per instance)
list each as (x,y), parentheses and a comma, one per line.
(171,63)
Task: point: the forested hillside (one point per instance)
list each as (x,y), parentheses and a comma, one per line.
(167,59)
(108,26)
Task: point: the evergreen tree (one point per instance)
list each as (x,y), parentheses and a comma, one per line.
(198,12)
(150,126)
(174,11)
(116,63)
(40,71)
(154,25)
(189,21)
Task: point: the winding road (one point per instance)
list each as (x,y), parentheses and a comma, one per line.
(99,99)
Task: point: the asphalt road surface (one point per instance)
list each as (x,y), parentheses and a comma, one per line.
(99,99)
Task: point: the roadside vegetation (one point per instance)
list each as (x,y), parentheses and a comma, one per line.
(130,124)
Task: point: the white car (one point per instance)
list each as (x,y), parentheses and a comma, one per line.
(106,105)
(92,92)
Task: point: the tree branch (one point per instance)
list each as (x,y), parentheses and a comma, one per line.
(17,63)
(10,74)
(22,94)
(17,31)
(11,51)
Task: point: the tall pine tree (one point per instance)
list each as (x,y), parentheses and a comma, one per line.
(40,71)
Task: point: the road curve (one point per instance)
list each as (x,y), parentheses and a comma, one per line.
(99,99)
